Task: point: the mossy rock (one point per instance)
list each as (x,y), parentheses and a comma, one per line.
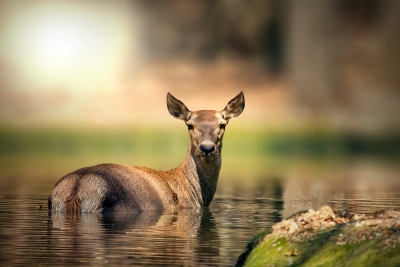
(365,242)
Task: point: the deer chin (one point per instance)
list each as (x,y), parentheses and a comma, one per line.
(208,159)
(207,156)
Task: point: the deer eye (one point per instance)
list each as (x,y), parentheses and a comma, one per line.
(222,126)
(190,127)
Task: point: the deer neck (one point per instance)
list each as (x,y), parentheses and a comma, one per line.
(202,176)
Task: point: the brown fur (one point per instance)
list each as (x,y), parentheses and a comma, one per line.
(113,188)
(72,204)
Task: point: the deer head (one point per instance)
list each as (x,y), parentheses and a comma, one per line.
(206,127)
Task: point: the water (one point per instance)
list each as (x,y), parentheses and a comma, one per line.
(213,236)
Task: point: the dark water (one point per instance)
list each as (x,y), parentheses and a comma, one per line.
(213,236)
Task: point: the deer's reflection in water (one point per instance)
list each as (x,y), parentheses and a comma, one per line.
(184,237)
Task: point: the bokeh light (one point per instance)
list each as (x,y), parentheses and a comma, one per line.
(78,46)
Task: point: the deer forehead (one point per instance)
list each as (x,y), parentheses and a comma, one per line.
(206,117)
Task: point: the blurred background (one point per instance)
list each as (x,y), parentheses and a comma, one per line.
(85,82)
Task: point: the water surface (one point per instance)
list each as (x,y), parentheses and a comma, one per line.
(213,236)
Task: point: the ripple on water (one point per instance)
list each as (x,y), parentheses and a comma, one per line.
(214,236)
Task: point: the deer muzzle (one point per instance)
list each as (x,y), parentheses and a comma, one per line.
(207,148)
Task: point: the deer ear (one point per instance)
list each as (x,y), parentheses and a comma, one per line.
(177,109)
(234,108)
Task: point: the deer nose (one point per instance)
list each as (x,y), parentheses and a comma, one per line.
(207,148)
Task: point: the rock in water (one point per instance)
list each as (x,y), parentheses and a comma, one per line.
(328,238)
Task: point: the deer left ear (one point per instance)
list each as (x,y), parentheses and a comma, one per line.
(177,109)
(234,108)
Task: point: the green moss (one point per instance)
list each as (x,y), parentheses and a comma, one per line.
(363,254)
(276,250)
(271,250)
(320,252)
(250,246)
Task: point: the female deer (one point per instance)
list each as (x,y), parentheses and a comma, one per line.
(113,188)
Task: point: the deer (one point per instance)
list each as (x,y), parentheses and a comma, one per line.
(109,187)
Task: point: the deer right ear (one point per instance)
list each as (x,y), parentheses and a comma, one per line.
(177,109)
(234,108)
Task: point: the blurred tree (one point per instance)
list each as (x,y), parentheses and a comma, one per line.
(312,52)
(387,61)
(208,29)
(344,57)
